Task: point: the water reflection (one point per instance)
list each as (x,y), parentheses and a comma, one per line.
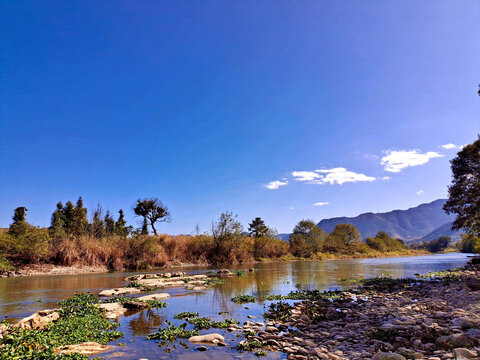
(20,297)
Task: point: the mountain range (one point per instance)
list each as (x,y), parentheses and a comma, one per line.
(424,222)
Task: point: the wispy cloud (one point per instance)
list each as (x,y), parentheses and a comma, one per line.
(395,161)
(274,185)
(291,207)
(420,192)
(449,146)
(330,176)
(386,178)
(320,203)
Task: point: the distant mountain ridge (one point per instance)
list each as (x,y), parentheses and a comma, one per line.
(423,222)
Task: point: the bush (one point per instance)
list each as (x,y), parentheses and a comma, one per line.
(307,239)
(28,244)
(385,243)
(269,247)
(4,264)
(469,243)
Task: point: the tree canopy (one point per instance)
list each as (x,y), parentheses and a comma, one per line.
(464,192)
(153,211)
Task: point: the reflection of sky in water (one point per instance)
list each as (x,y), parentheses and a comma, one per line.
(21,296)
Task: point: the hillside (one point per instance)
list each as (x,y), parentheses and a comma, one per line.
(424,221)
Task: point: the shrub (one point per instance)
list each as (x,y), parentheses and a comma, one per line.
(469,243)
(307,239)
(384,242)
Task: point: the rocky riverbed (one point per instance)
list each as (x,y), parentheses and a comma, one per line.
(436,318)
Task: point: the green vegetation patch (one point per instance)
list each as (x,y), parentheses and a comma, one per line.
(152,304)
(278,311)
(80,321)
(186,315)
(172,332)
(249,345)
(214,281)
(240,273)
(204,323)
(243,299)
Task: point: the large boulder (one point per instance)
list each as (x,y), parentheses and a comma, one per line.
(38,320)
(112,310)
(387,356)
(3,330)
(86,348)
(209,338)
(120,291)
(161,296)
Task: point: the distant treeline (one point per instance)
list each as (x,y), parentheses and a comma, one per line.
(108,241)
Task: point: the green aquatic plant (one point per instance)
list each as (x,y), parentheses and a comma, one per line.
(171,332)
(278,311)
(185,315)
(239,273)
(249,345)
(80,321)
(214,281)
(243,299)
(274,297)
(152,304)
(261,353)
(201,323)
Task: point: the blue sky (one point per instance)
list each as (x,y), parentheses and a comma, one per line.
(263,108)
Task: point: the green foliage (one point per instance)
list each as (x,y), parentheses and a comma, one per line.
(227,236)
(343,236)
(186,315)
(257,228)
(79,222)
(469,243)
(243,299)
(204,323)
(278,311)
(109,224)
(57,225)
(438,245)
(24,240)
(5,265)
(249,345)
(121,227)
(98,225)
(213,281)
(464,192)
(307,239)
(152,211)
(171,332)
(80,321)
(384,242)
(239,273)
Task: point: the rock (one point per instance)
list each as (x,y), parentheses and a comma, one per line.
(86,348)
(208,338)
(161,296)
(457,340)
(38,320)
(120,291)
(462,323)
(3,330)
(112,310)
(134,305)
(202,348)
(462,352)
(271,329)
(387,356)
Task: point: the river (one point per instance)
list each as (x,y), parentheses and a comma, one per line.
(21,296)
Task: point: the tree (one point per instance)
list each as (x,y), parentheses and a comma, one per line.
(227,235)
(464,192)
(144,230)
(69,215)
(345,235)
(152,211)
(57,224)
(121,227)
(98,225)
(439,244)
(257,228)
(19,225)
(109,224)
(469,243)
(80,222)
(307,239)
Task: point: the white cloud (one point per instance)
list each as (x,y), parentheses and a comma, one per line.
(450,146)
(386,178)
(291,208)
(330,176)
(395,161)
(320,203)
(420,192)
(306,175)
(274,185)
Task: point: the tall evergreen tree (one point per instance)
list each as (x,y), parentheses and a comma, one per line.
(19,225)
(144,230)
(121,227)
(98,226)
(80,221)
(109,224)
(69,216)
(57,224)
(257,228)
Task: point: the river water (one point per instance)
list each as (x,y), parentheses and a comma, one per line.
(21,296)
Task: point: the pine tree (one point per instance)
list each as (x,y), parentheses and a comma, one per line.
(109,224)
(257,228)
(121,227)
(80,221)
(69,216)
(98,226)
(57,225)
(144,227)
(19,225)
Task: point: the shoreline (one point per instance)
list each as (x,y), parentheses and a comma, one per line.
(54,270)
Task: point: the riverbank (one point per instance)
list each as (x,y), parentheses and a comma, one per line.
(434,318)
(78,269)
